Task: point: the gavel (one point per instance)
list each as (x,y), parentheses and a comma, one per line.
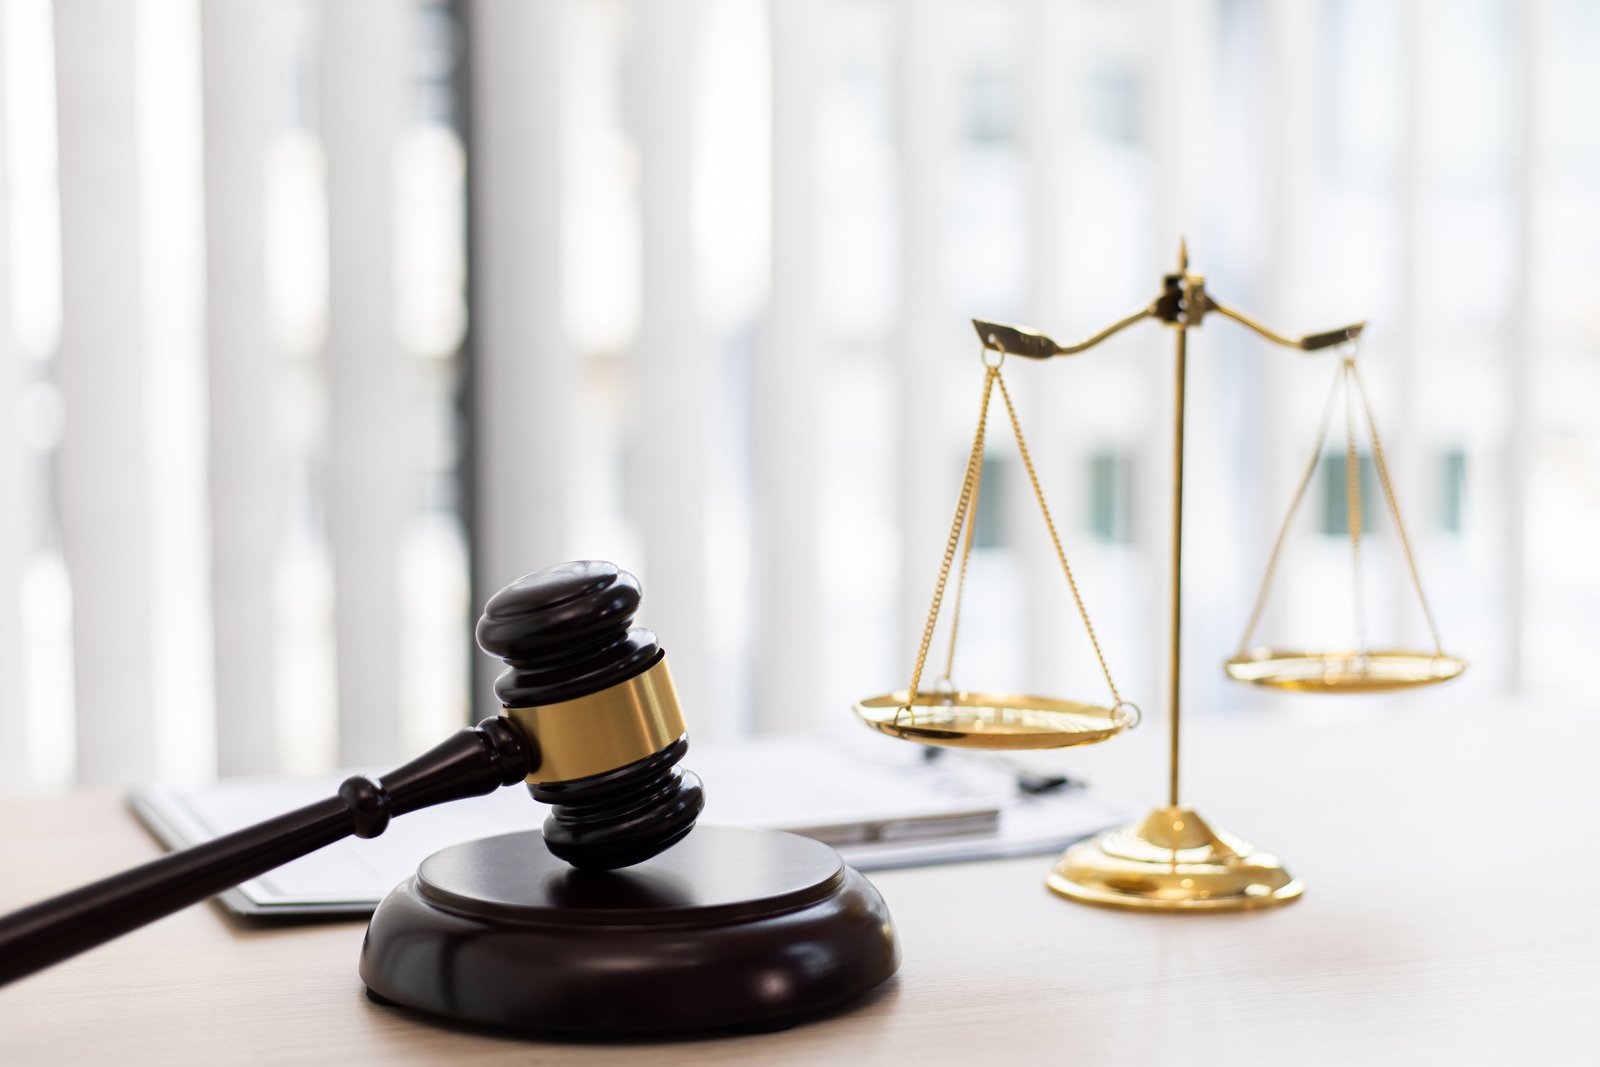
(591,722)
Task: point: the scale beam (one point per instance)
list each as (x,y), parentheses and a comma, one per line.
(1022,341)
(1183,303)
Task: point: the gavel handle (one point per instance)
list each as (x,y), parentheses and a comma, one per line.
(473,762)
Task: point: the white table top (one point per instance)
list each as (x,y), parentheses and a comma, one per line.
(1451,867)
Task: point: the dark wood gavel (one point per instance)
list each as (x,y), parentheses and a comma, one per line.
(591,722)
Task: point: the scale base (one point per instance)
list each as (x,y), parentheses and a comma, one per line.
(1172,861)
(730,929)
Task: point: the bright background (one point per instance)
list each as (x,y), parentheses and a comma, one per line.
(320,322)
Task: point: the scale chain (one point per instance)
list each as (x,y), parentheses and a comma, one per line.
(1347,375)
(1055,539)
(965,520)
(966,555)
(1352,498)
(963,505)
(1294,506)
(1382,466)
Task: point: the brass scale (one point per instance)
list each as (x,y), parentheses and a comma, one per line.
(1171,859)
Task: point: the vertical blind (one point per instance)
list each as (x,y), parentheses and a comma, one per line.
(321,321)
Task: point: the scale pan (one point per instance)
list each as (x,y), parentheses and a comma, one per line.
(993,720)
(1343,672)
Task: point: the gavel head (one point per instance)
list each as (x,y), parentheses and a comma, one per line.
(593,695)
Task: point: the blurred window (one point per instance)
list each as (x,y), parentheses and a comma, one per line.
(1453,491)
(992,530)
(1336,494)
(990,105)
(1111,497)
(1114,101)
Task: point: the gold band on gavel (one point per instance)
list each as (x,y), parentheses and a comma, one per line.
(603,731)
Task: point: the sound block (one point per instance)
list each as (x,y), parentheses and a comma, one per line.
(731,928)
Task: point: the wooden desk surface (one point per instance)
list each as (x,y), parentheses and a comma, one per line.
(1451,912)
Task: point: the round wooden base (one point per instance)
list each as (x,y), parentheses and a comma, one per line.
(731,928)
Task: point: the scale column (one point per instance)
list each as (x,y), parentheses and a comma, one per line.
(1171,860)
(1180,374)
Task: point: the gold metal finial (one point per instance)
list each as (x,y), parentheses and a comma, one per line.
(1183,255)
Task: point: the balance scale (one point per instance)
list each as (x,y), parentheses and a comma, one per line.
(1171,860)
